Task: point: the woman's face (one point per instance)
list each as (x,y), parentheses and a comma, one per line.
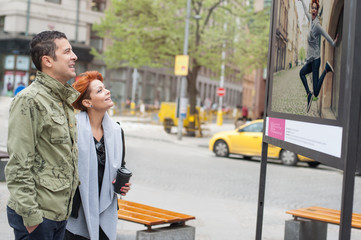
(99,96)
(314,11)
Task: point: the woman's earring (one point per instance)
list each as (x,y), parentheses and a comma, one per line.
(91,106)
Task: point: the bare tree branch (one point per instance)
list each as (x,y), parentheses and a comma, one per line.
(210,11)
(197,6)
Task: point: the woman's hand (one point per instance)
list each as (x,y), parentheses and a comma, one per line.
(125,189)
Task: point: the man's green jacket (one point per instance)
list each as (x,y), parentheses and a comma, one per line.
(42,172)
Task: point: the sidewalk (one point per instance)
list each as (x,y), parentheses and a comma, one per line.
(139,127)
(133,126)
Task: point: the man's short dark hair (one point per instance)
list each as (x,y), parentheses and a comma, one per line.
(43,45)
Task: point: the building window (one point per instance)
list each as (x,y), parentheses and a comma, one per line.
(98,5)
(96,41)
(54,1)
(2,24)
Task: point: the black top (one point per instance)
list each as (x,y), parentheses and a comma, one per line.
(100,149)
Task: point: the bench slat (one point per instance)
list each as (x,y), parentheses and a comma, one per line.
(184,217)
(355,216)
(139,218)
(147,215)
(324,215)
(328,212)
(150,213)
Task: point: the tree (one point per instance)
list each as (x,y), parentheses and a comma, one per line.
(151,33)
(252,46)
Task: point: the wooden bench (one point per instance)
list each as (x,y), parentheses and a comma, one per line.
(149,216)
(324,215)
(321,216)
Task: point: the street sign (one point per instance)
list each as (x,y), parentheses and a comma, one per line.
(221,92)
(181,65)
(183,108)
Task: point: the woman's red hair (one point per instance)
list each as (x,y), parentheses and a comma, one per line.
(82,84)
(316,1)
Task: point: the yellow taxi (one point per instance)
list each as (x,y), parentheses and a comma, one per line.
(246,140)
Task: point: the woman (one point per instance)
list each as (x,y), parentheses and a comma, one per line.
(94,214)
(313,59)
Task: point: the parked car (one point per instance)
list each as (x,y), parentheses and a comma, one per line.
(246,140)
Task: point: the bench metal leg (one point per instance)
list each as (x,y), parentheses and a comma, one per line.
(304,229)
(166,233)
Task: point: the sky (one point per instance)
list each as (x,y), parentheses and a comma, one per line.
(300,11)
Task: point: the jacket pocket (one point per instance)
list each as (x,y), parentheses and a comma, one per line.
(54,184)
(54,193)
(59,131)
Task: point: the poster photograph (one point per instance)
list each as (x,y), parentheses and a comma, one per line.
(306,84)
(306,76)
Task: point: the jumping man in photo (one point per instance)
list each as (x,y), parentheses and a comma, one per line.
(313,59)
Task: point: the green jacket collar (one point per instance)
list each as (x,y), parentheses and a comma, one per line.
(65,92)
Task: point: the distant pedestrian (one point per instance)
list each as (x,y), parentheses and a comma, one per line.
(244,112)
(19,88)
(313,60)
(9,88)
(42,172)
(127,103)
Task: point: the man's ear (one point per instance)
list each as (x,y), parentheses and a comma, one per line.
(86,103)
(47,61)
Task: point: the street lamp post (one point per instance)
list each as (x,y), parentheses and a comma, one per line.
(135,79)
(183,81)
(221,82)
(27,18)
(77,21)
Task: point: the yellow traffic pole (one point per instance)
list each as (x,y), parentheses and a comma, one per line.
(132,108)
(219,117)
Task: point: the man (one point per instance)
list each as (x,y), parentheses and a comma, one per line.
(42,173)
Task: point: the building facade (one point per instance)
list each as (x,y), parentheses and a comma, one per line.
(332,21)
(254,84)
(20,20)
(281,34)
(293,32)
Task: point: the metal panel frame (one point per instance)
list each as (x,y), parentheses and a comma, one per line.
(349,117)
(319,156)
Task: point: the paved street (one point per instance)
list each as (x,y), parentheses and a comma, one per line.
(222,193)
(289,95)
